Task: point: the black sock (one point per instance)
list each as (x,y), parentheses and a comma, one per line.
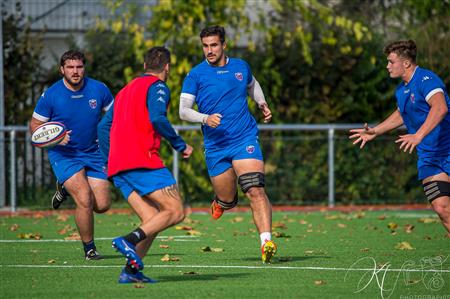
(135,236)
(89,245)
(130,270)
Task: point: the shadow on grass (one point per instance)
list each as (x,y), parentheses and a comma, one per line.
(198,276)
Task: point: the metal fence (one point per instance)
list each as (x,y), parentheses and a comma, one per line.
(301,167)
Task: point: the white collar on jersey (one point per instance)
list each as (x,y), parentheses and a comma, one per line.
(226,60)
(412,76)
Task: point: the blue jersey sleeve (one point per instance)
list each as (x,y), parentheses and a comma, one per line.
(190,85)
(108,98)
(158,98)
(43,110)
(249,73)
(431,84)
(103,130)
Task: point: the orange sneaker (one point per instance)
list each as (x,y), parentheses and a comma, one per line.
(216,210)
(268,250)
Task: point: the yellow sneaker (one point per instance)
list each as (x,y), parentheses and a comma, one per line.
(216,210)
(268,250)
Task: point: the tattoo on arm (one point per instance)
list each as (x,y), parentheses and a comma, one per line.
(171,191)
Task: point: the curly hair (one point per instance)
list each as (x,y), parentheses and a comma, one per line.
(403,48)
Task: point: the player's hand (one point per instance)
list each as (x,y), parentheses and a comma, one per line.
(362,135)
(213,120)
(187,151)
(408,142)
(66,139)
(266,112)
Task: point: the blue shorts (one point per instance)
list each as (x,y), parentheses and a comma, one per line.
(143,181)
(219,160)
(66,164)
(432,166)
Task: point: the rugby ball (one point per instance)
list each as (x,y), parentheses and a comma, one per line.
(48,134)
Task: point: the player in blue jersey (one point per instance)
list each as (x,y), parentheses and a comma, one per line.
(147,185)
(78,102)
(423,107)
(219,86)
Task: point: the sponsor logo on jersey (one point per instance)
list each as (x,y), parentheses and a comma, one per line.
(160,91)
(426,78)
(222,72)
(78,96)
(93,103)
(239,76)
(250,149)
(412,98)
(406,91)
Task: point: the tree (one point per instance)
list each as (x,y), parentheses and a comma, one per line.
(22,52)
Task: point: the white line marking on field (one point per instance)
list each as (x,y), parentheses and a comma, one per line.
(171,238)
(268,267)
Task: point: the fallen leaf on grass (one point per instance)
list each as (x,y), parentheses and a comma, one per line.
(51,261)
(365,249)
(183,227)
(319,282)
(190,221)
(212,249)
(167,258)
(193,233)
(429,220)
(167,239)
(303,222)
(341,225)
(237,219)
(66,229)
(62,217)
(392,225)
(14,227)
(280,235)
(35,236)
(309,251)
(382,217)
(404,246)
(73,236)
(139,286)
(331,217)
(38,215)
(409,228)
(279,225)
(164,246)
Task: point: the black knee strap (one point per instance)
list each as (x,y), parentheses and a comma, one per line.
(251,179)
(435,189)
(227,205)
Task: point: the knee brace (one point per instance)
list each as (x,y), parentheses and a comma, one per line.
(435,189)
(227,205)
(251,179)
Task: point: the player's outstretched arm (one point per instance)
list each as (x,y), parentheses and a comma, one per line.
(362,136)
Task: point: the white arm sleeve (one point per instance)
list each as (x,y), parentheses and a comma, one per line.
(255,92)
(187,113)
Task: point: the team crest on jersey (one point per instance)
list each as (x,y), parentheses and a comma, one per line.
(412,98)
(93,103)
(250,149)
(239,76)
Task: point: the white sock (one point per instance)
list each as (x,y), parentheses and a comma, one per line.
(265,236)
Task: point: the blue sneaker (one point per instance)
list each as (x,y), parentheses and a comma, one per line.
(134,278)
(129,251)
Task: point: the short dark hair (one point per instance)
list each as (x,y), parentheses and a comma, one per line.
(156,59)
(72,55)
(214,30)
(403,48)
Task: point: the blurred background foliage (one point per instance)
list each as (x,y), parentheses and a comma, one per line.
(318,61)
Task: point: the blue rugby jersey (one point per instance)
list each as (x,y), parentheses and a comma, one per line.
(412,103)
(223,90)
(80,111)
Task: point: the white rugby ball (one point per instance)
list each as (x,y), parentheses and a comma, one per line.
(48,134)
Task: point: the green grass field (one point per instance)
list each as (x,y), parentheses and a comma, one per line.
(396,254)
